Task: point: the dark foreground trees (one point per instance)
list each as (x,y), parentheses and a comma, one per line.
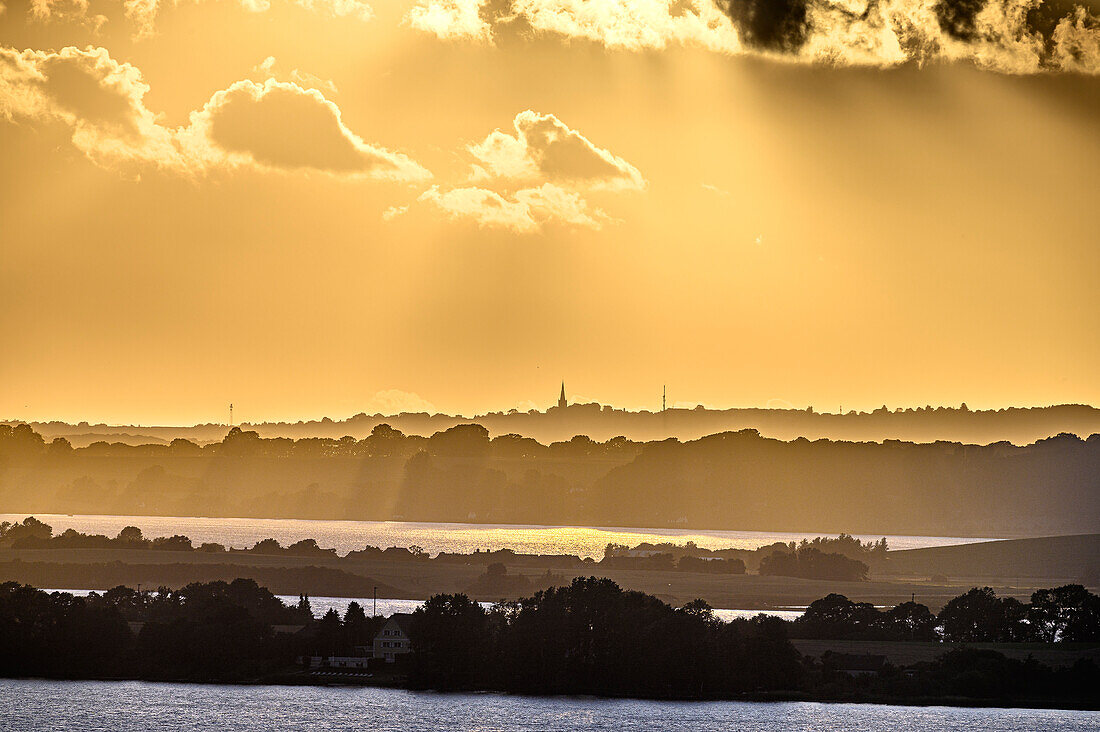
(207,631)
(1061,614)
(592,637)
(1069,613)
(57,635)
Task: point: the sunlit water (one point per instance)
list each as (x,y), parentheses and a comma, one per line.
(321,605)
(123,706)
(387,606)
(344,536)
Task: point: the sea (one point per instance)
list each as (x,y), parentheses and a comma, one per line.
(35,704)
(345,536)
(124,706)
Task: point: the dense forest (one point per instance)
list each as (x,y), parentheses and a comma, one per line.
(731,480)
(587,637)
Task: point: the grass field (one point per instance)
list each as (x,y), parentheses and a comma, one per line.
(419,580)
(900,653)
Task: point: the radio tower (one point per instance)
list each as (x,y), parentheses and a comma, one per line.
(230,414)
(664,408)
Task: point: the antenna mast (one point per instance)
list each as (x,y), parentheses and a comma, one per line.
(664,395)
(230,414)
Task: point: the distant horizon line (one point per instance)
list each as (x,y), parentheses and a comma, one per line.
(515,412)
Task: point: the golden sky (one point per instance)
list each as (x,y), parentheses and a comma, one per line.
(322,207)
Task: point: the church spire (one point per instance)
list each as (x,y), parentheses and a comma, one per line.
(561,399)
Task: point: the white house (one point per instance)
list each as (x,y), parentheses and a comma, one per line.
(393,639)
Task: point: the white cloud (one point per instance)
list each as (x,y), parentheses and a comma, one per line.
(271,126)
(545,148)
(283,126)
(634,24)
(450,19)
(393,212)
(487,208)
(534,178)
(100,99)
(526,211)
(268,69)
(629,24)
(550,203)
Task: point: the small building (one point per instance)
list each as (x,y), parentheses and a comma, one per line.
(359,661)
(356,663)
(393,639)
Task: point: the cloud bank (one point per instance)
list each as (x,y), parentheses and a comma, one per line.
(628,24)
(273,125)
(535,175)
(1011,36)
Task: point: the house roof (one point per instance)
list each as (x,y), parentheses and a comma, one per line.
(401,620)
(287,629)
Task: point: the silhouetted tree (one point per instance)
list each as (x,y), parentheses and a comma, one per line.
(979,615)
(835,616)
(811,563)
(909,621)
(450,640)
(1067,613)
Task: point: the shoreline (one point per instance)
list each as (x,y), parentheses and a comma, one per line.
(674,529)
(413,580)
(353,681)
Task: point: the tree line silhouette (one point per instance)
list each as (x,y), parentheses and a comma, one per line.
(1062,614)
(588,637)
(735,480)
(805,560)
(602,422)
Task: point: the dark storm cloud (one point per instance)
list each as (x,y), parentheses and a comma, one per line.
(1010,36)
(957,18)
(771,25)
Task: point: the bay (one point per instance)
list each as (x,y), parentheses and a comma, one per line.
(345,536)
(122,706)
